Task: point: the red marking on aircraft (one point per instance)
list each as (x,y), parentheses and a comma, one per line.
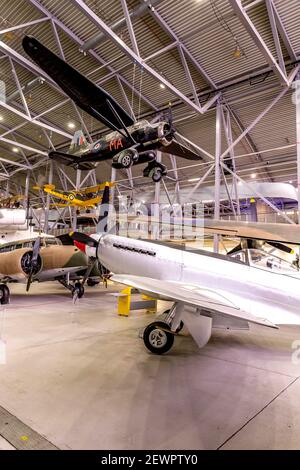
(116,144)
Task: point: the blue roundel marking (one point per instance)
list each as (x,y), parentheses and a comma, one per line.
(97,146)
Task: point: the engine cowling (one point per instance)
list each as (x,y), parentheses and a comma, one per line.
(164,133)
(15,263)
(26,263)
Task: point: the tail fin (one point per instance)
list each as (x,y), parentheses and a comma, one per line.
(103,213)
(79,143)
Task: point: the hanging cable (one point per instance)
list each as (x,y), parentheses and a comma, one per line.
(133,84)
(140,92)
(225,25)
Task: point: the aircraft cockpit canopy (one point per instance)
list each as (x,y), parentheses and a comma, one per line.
(267,261)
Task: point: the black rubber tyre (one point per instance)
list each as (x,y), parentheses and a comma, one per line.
(156,339)
(156,175)
(79,288)
(126,160)
(4,294)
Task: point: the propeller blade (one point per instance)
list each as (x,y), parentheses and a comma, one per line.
(83,239)
(280,246)
(36,250)
(29,280)
(34,261)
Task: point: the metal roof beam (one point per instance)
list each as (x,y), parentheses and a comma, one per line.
(283,33)
(34,120)
(291,78)
(188,74)
(24,25)
(271,14)
(163,24)
(25,89)
(258,40)
(80,43)
(132,55)
(130,28)
(253,4)
(136,13)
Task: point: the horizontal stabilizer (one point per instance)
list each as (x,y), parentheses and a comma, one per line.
(88,96)
(70,160)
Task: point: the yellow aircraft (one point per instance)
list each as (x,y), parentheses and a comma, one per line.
(74,198)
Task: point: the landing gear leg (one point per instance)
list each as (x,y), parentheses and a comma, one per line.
(155,170)
(4,294)
(76,289)
(159,335)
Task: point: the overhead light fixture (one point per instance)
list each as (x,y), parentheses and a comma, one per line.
(291,182)
(253,175)
(237,52)
(192,180)
(71,125)
(162,86)
(1,118)
(240,183)
(15,149)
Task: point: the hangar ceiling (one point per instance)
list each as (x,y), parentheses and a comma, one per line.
(189,54)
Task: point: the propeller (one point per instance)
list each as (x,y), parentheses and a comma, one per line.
(170,121)
(34,262)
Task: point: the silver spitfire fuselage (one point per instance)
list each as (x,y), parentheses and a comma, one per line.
(260,284)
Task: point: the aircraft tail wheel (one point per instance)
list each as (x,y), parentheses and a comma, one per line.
(157,339)
(4,294)
(78,290)
(156,175)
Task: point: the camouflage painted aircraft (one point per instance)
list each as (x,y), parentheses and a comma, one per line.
(44,258)
(130,142)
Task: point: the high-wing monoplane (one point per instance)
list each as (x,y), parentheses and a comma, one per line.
(129,143)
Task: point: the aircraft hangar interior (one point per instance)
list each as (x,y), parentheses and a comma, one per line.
(149,226)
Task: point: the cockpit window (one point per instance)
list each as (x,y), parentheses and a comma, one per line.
(263,260)
(239,256)
(52,241)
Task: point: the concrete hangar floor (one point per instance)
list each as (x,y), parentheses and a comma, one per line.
(78,377)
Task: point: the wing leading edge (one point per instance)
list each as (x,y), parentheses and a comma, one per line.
(191,294)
